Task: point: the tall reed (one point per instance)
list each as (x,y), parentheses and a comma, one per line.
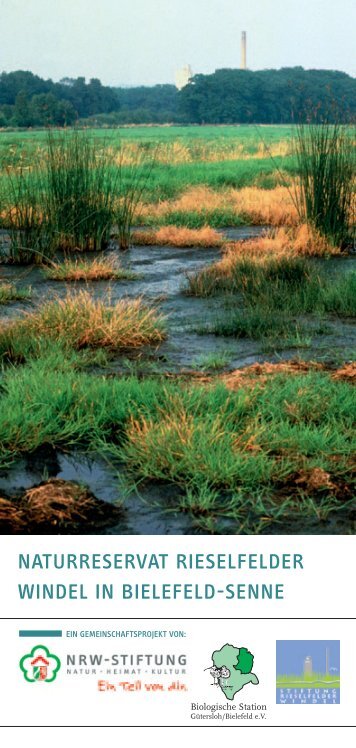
(327,169)
(81,191)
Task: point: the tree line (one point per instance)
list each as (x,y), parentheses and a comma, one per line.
(26,100)
(269,96)
(226,96)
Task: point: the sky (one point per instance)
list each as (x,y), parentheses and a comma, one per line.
(128,42)
(291,656)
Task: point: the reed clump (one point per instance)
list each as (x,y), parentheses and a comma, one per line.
(326,157)
(70,198)
(81,190)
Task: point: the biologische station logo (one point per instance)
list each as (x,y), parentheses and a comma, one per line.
(232,669)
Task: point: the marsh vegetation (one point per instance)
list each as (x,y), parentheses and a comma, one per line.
(208,368)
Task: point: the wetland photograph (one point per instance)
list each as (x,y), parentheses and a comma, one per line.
(177,268)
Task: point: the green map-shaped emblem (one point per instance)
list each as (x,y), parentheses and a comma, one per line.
(232,669)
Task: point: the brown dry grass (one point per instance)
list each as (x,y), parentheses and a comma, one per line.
(272,245)
(314,479)
(249,375)
(56,502)
(194,199)
(261,372)
(274,207)
(55,506)
(178,152)
(301,241)
(346,373)
(80,321)
(180,237)
(11,520)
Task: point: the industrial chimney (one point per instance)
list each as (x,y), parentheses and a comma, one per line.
(243,50)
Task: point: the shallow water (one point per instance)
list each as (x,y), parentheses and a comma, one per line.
(162,277)
(143,514)
(163,272)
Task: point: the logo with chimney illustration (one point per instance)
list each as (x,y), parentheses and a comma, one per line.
(40,666)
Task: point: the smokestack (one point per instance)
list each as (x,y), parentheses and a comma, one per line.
(243,51)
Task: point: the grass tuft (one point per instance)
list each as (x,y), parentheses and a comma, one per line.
(9,292)
(88,270)
(79,321)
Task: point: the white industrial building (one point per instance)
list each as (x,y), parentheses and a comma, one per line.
(183,76)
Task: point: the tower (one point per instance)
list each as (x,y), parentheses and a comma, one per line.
(308,666)
(183,76)
(243,51)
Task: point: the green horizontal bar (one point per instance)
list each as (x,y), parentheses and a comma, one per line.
(40,633)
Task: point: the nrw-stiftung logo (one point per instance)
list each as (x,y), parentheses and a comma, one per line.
(40,665)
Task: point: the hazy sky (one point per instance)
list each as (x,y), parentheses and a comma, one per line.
(144,41)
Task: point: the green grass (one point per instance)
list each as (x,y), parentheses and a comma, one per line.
(243,457)
(270,297)
(217,219)
(308,679)
(257,323)
(254,279)
(168,180)
(233,455)
(300,338)
(212,361)
(26,143)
